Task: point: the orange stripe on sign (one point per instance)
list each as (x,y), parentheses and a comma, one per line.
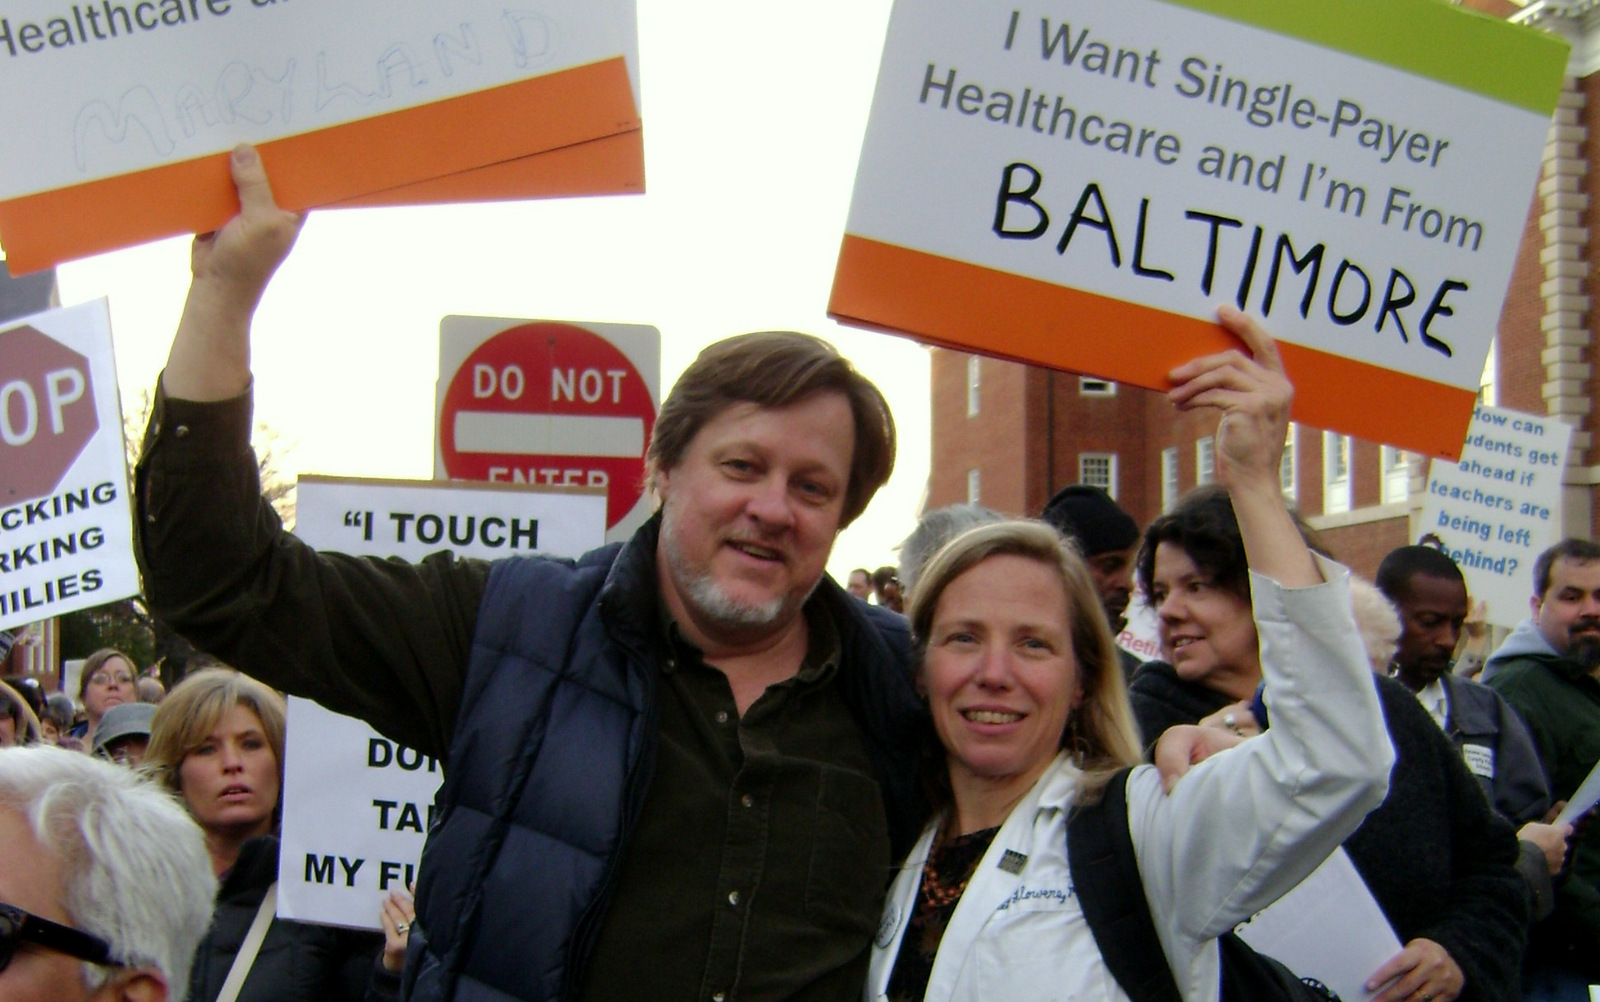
(613,165)
(966,306)
(329,165)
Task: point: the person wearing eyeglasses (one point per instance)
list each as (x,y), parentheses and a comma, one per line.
(105,889)
(106,680)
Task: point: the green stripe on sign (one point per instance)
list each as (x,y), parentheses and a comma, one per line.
(1463,48)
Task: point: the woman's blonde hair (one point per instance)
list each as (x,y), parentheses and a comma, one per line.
(1100,734)
(192,710)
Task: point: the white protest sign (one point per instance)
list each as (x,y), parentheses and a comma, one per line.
(130,102)
(1500,506)
(1079,183)
(66,526)
(1141,634)
(1329,928)
(1583,799)
(355,804)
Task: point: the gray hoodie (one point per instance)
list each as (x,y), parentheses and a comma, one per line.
(1525,641)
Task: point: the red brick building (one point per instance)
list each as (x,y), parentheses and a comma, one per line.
(1009,435)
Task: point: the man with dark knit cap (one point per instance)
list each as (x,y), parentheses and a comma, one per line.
(1107,535)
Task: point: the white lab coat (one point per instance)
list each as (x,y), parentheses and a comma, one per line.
(1237,832)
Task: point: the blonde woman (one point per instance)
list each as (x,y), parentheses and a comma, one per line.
(1027,698)
(217,741)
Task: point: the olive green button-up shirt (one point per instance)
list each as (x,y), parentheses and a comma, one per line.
(758,865)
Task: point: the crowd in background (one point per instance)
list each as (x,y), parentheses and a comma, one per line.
(1434,854)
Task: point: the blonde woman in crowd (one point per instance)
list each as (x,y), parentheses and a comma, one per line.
(217,741)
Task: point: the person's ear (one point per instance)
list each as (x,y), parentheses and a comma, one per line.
(134,985)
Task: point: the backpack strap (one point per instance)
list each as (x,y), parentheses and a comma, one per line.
(1105,877)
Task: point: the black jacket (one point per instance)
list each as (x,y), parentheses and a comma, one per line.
(1437,858)
(298,962)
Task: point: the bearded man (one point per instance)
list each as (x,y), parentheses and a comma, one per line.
(1549,671)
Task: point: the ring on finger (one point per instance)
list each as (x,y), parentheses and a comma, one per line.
(404,927)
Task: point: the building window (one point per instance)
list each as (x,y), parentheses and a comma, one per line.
(1169,478)
(1098,469)
(1335,473)
(974,368)
(1089,386)
(1205,469)
(972,487)
(1396,474)
(1286,471)
(1488,389)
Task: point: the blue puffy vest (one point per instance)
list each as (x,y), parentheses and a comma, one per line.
(553,752)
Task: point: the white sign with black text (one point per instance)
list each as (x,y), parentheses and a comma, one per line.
(66,525)
(356,805)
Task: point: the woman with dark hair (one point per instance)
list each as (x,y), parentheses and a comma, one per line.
(1438,861)
(217,742)
(1026,693)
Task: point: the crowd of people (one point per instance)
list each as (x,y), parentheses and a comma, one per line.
(691,766)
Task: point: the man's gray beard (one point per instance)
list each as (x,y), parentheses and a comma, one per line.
(706,598)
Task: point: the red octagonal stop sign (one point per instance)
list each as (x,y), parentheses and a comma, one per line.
(549,403)
(47,413)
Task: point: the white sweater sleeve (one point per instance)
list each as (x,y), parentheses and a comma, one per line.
(1245,826)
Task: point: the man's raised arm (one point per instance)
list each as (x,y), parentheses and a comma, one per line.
(210,358)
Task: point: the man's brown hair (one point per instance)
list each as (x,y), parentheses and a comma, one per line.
(776,369)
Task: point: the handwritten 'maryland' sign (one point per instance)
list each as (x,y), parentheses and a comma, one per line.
(119,113)
(1079,183)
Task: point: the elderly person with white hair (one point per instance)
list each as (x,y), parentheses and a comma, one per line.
(105,887)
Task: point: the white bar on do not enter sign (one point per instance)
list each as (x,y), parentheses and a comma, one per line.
(549,435)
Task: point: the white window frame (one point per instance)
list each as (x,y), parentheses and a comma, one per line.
(974,384)
(1087,460)
(1396,475)
(1094,386)
(1205,461)
(1289,466)
(1169,478)
(974,487)
(1335,482)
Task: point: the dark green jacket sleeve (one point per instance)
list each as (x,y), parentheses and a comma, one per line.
(383,640)
(1562,711)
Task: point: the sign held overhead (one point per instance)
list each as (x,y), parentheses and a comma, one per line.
(66,528)
(132,106)
(1079,184)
